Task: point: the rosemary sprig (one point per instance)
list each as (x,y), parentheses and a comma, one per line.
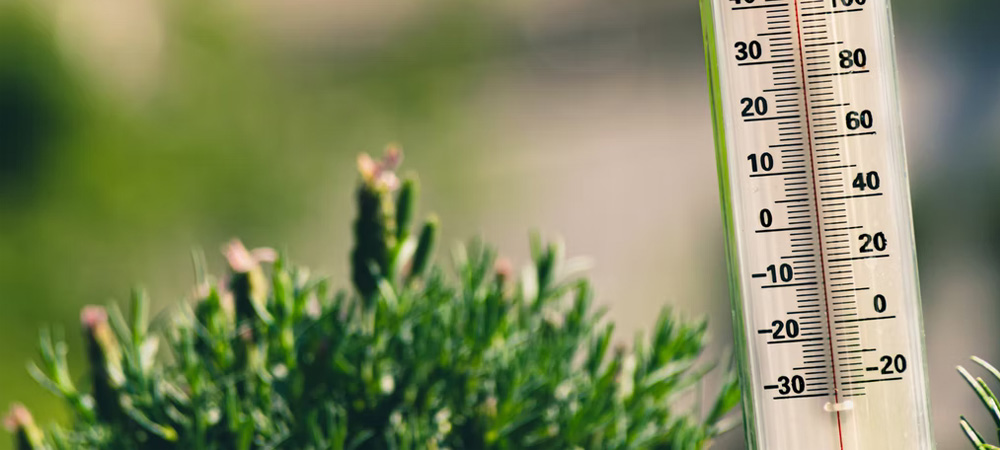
(410,358)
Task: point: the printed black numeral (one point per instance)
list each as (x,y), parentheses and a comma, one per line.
(853,58)
(795,384)
(869,181)
(787,329)
(764,163)
(863,119)
(754,106)
(748,50)
(783,272)
(893,364)
(873,242)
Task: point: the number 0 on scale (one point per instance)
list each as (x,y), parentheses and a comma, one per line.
(817,213)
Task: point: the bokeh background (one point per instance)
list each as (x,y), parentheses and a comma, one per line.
(134,130)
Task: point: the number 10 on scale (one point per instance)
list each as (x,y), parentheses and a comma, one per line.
(817,213)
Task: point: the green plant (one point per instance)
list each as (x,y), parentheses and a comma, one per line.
(989,399)
(411,358)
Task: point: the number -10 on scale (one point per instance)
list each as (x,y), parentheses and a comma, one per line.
(826,303)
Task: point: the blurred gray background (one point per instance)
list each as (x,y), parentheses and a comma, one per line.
(134,130)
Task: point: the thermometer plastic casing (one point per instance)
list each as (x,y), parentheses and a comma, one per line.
(815,197)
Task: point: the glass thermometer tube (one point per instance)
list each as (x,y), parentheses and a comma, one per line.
(815,196)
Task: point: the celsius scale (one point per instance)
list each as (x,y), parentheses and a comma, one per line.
(826,303)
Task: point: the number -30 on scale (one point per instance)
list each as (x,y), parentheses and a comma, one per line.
(815,197)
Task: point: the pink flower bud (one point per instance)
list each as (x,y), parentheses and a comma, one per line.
(18,418)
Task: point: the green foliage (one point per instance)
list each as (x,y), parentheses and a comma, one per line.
(989,399)
(411,358)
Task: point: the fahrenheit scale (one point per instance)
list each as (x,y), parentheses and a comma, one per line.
(816,202)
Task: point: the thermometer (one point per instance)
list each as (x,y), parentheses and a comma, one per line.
(815,197)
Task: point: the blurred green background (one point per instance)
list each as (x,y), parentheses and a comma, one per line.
(134,130)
